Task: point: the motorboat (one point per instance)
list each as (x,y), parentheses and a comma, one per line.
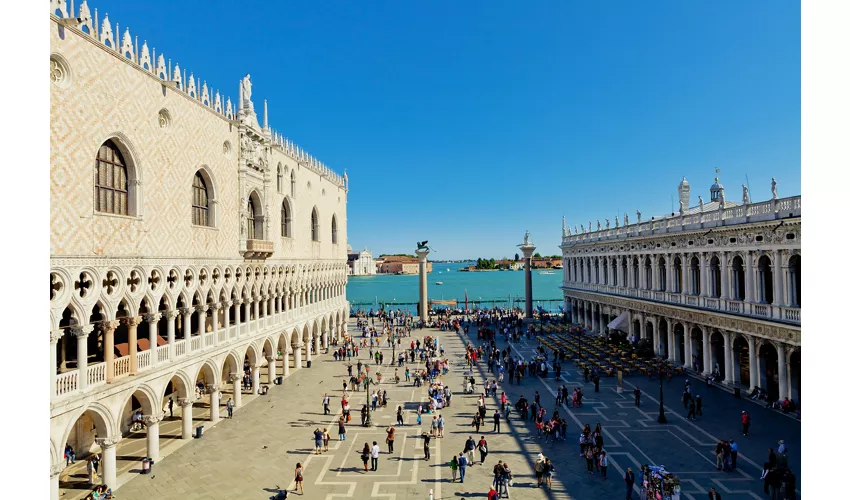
(439,283)
(547,272)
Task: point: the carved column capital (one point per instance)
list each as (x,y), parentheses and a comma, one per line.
(234,377)
(184,402)
(202,309)
(153,419)
(55,335)
(238,302)
(225,304)
(108,442)
(56,469)
(186,310)
(211,388)
(131,321)
(108,326)
(82,330)
(215,306)
(170,314)
(153,318)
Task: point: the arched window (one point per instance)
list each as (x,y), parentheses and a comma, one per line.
(250,219)
(286,219)
(200,202)
(333,230)
(292,183)
(314,224)
(111,195)
(279,178)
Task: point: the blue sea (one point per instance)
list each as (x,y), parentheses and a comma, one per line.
(501,288)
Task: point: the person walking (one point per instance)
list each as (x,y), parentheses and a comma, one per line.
(229,408)
(326,402)
(733,448)
(588,458)
(497,417)
(441,425)
(317,439)
(399,416)
(637,396)
(453,466)
(713,495)
(390,438)
(299,477)
(539,468)
(482,449)
(427,445)
(629,479)
(476,421)
(692,411)
(364,455)
(376,451)
(326,438)
(341,429)
(171,407)
(745,422)
(603,464)
(469,447)
(461,465)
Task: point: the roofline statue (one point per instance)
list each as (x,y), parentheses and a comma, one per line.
(422,246)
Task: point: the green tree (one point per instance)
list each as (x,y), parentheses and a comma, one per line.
(516,257)
(537,255)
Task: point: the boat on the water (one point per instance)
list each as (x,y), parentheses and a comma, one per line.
(547,272)
(439,283)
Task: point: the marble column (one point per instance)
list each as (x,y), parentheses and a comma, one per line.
(309,348)
(527,249)
(186,313)
(286,362)
(317,344)
(132,324)
(108,328)
(298,355)
(170,316)
(82,333)
(202,322)
(255,376)
(152,434)
(153,335)
(255,324)
(186,415)
(755,364)
(236,380)
(237,320)
(55,472)
(215,402)
(782,371)
(778,275)
(689,348)
(727,351)
(706,354)
(215,306)
(724,276)
(671,341)
(423,283)
(272,368)
(749,279)
(55,335)
(108,461)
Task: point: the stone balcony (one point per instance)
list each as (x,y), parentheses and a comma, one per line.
(778,313)
(258,249)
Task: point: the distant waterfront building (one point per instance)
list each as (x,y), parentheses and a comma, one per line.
(400,264)
(716,284)
(360,263)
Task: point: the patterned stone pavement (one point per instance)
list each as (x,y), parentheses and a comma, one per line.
(254,454)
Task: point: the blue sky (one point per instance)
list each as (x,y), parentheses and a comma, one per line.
(469,122)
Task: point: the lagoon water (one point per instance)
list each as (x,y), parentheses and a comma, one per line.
(481,287)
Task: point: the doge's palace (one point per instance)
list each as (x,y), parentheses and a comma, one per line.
(196,253)
(713,286)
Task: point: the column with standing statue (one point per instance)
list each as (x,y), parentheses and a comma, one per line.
(422,252)
(528,248)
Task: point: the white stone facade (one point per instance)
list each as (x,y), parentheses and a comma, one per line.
(718,285)
(361,263)
(175,288)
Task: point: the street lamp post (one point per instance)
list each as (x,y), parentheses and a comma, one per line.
(661,418)
(367,381)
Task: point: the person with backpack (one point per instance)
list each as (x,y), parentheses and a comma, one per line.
(453,465)
(539,468)
(461,464)
(482,449)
